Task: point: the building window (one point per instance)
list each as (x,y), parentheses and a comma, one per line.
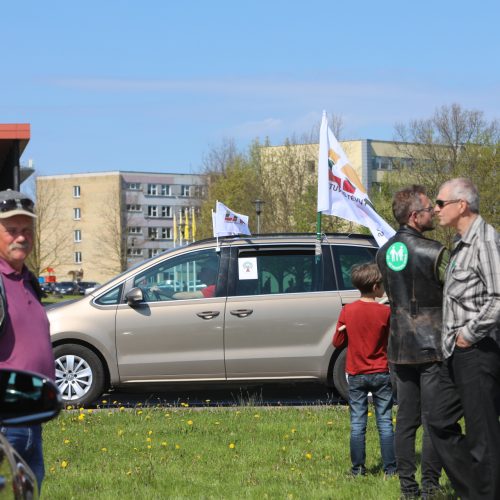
(166,211)
(133,186)
(382,163)
(134,208)
(153,233)
(134,252)
(78,257)
(153,252)
(77,214)
(152,211)
(152,190)
(185,190)
(76,191)
(165,190)
(166,233)
(77,236)
(198,191)
(135,230)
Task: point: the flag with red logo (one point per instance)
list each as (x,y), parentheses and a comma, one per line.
(228,223)
(340,190)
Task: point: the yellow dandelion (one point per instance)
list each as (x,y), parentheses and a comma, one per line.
(69,407)
(81,410)
(256,415)
(139,404)
(147,417)
(293,431)
(129,473)
(115,402)
(104,401)
(370,413)
(284,448)
(139,412)
(309,456)
(217,423)
(110,413)
(177,446)
(81,416)
(121,432)
(329,422)
(104,449)
(149,446)
(52,469)
(164,443)
(238,412)
(64,464)
(150,432)
(207,400)
(232,446)
(190,422)
(167,414)
(394,420)
(89,411)
(122,408)
(67,441)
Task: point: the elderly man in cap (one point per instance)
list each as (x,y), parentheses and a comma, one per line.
(24,327)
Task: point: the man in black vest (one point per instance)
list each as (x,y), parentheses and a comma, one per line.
(413,270)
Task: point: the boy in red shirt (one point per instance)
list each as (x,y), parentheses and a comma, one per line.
(366,324)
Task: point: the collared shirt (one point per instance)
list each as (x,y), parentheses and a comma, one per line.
(471,302)
(25,342)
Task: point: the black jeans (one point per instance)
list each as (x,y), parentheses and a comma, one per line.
(469,386)
(416,385)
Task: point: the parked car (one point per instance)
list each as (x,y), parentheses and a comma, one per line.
(25,399)
(270,316)
(85,287)
(47,287)
(67,288)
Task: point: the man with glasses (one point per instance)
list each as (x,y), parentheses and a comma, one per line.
(24,327)
(469,384)
(413,268)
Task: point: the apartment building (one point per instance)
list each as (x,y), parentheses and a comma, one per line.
(92,226)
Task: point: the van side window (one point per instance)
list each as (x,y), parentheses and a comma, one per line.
(345,258)
(264,272)
(110,298)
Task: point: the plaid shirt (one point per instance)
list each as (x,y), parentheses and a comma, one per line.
(471,302)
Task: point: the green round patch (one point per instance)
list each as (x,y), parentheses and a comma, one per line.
(397,256)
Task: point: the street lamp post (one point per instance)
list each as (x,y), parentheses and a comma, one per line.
(258,210)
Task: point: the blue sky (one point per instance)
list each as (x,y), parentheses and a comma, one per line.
(154,85)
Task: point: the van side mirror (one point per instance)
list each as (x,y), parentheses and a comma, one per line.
(135,297)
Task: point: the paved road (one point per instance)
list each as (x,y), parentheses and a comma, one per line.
(267,395)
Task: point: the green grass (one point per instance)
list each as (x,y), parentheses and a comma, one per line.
(181,452)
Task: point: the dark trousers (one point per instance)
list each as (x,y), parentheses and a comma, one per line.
(416,385)
(469,387)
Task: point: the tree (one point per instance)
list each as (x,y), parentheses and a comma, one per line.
(454,142)
(232,178)
(47,242)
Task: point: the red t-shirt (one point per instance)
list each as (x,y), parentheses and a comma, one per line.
(208,291)
(367,328)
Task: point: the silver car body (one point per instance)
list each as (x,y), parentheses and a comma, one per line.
(232,337)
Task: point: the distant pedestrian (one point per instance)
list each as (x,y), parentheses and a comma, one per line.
(469,384)
(364,327)
(24,327)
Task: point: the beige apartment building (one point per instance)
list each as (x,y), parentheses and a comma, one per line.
(92,226)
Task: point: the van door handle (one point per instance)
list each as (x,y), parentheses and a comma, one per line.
(241,313)
(208,314)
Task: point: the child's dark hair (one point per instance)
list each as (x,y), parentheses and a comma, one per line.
(364,276)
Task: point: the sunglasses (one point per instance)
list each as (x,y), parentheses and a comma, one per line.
(24,203)
(443,203)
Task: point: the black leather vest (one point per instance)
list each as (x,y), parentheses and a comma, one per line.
(416,296)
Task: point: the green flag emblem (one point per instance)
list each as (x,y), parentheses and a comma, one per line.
(397,256)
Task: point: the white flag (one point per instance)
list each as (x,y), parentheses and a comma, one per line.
(228,223)
(341,192)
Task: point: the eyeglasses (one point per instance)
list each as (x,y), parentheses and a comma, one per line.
(428,209)
(24,203)
(443,203)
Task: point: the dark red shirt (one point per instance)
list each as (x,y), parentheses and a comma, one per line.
(25,343)
(366,334)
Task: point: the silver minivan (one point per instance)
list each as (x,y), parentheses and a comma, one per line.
(240,310)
